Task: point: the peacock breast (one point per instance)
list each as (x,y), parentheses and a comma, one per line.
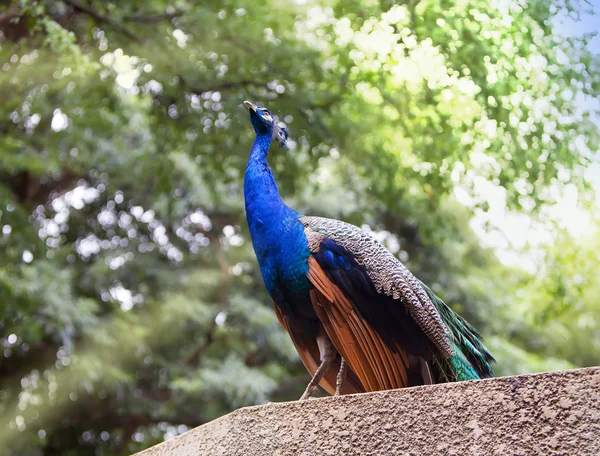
(282,251)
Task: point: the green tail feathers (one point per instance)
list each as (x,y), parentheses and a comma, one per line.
(472,360)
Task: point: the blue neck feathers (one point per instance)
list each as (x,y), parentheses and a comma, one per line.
(267,214)
(277,235)
(259,183)
(260,189)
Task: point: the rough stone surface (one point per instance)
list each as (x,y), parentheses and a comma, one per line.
(543,414)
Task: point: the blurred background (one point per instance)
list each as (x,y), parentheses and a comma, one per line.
(464,134)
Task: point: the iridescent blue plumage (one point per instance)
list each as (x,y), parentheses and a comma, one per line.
(277,235)
(344,299)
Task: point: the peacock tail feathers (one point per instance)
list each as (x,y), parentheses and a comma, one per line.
(472,360)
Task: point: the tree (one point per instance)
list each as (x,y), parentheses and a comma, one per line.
(132,307)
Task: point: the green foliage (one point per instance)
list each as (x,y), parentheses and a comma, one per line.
(132,306)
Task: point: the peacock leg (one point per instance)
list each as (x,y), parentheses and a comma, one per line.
(341,376)
(327,353)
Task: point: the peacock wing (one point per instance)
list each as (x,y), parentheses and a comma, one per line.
(308,350)
(377,365)
(387,274)
(373,280)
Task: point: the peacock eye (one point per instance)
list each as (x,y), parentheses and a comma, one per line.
(267,116)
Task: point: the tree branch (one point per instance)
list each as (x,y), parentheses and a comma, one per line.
(78,6)
(225,85)
(198,353)
(223,302)
(11,12)
(152,18)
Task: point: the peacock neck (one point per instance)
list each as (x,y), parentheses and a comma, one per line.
(277,235)
(263,203)
(259,181)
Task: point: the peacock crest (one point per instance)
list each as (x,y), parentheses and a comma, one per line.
(280,133)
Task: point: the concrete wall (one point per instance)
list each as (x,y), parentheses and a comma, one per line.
(543,414)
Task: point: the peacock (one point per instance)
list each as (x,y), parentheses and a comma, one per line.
(359,319)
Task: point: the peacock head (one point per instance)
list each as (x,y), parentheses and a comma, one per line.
(263,122)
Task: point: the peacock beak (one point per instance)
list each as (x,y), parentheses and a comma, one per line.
(251,106)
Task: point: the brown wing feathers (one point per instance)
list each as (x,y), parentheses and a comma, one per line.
(308,350)
(377,367)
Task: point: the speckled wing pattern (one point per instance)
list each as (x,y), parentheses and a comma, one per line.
(387,273)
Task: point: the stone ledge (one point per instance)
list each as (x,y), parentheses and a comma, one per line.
(555,413)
